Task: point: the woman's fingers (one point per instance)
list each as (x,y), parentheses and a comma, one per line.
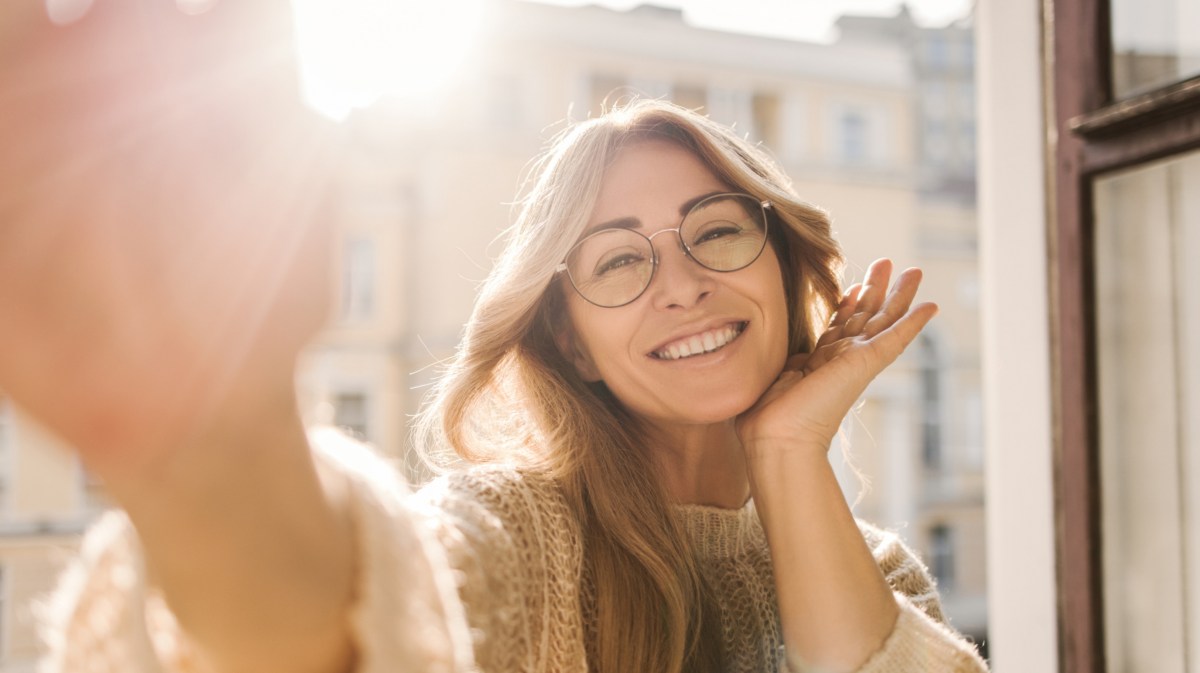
(848,306)
(871,297)
(892,341)
(896,304)
(837,324)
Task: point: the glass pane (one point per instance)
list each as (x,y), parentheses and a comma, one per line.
(1148,324)
(1154,43)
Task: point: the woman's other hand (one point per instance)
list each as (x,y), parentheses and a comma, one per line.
(871,328)
(160,262)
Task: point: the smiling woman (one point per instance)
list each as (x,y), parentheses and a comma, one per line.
(352,53)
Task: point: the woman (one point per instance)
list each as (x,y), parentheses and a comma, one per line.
(637,388)
(649,383)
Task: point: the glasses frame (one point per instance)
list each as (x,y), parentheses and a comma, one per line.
(764,204)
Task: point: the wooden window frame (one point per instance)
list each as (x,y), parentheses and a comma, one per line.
(1089,134)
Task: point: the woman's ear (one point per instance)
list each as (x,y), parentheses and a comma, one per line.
(576,354)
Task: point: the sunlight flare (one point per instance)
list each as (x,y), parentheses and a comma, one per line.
(356,51)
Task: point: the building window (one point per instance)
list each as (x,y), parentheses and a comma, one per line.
(351,411)
(941,556)
(358,279)
(931,405)
(936,52)
(852,137)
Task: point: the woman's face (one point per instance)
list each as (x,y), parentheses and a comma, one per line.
(630,347)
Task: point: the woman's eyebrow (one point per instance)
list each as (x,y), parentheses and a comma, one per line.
(691,203)
(629,222)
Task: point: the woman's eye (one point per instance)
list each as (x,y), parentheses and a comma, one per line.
(615,262)
(715,230)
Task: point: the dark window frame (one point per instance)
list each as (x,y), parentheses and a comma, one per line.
(1090,134)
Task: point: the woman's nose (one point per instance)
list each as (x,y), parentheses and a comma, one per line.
(679,281)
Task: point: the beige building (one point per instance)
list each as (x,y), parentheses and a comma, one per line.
(46,501)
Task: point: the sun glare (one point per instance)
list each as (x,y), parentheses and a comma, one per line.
(352,52)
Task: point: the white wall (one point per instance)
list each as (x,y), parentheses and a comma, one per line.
(1020,505)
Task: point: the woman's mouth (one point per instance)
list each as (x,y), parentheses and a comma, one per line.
(699,344)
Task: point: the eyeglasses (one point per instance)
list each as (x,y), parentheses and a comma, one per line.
(613,267)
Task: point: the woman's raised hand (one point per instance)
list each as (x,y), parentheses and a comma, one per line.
(160,262)
(871,328)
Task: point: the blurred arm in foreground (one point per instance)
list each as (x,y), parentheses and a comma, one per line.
(162,261)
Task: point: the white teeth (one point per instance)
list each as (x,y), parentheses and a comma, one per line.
(700,343)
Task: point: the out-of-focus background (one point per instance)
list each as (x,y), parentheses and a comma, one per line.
(1078,237)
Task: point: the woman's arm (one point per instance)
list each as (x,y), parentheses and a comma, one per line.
(835,605)
(161,264)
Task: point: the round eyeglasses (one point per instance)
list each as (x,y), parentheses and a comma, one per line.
(722,232)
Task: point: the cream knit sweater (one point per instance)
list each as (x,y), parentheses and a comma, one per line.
(480,571)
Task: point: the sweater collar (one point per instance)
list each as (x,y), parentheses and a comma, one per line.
(722,533)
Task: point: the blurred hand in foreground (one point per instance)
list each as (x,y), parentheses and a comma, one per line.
(162,250)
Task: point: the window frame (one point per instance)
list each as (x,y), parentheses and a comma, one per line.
(1090,134)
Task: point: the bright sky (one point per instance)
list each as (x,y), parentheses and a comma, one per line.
(352,51)
(809,20)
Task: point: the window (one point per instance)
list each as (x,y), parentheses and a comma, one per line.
(936,52)
(941,557)
(852,137)
(351,414)
(732,106)
(931,405)
(358,279)
(1147,236)
(1124,219)
(1153,44)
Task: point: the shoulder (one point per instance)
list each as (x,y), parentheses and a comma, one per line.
(903,569)
(502,491)
(517,551)
(499,512)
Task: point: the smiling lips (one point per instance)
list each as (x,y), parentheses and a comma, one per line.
(699,344)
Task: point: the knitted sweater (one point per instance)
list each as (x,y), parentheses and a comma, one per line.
(480,571)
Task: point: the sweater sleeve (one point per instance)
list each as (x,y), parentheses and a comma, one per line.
(517,554)
(106,618)
(921,640)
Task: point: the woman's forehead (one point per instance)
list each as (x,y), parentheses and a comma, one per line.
(652,177)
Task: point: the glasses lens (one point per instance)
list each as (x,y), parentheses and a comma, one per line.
(726,232)
(611,267)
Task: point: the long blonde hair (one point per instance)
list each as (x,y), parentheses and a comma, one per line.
(510,395)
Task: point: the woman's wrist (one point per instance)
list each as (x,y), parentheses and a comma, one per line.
(770,453)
